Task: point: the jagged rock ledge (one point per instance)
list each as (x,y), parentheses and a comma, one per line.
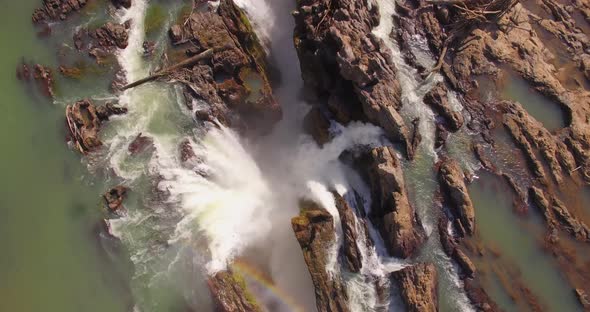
(235,81)
(347,66)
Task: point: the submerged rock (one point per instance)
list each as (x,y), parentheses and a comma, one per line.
(44,76)
(558,216)
(399,225)
(56,9)
(452,180)
(140,144)
(418,286)
(230,293)
(314,230)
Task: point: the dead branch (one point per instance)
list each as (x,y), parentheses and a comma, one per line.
(168,70)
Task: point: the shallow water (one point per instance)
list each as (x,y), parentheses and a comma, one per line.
(51,259)
(541,108)
(517,241)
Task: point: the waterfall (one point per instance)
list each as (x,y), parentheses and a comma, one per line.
(236,202)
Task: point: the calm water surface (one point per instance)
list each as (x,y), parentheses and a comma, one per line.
(51,259)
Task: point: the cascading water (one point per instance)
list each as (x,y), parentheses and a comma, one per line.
(418,173)
(236,203)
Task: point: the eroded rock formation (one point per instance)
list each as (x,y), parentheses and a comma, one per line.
(230,294)
(418,285)
(391,210)
(84,120)
(234,82)
(56,10)
(347,65)
(314,230)
(452,181)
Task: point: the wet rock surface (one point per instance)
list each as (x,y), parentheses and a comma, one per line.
(114,197)
(418,285)
(347,66)
(452,180)
(41,75)
(84,121)
(234,82)
(314,230)
(392,212)
(230,294)
(52,10)
(350,249)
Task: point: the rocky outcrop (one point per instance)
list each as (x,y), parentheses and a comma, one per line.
(314,230)
(347,66)
(234,82)
(530,135)
(452,180)
(84,121)
(111,35)
(437,98)
(114,197)
(56,10)
(464,262)
(391,210)
(418,287)
(230,294)
(350,250)
(558,216)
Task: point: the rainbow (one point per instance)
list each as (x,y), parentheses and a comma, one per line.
(252,273)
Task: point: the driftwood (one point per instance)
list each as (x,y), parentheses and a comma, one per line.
(469,15)
(169,70)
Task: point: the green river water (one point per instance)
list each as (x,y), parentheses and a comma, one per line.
(50,258)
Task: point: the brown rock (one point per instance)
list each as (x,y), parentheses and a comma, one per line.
(115,196)
(557,215)
(44,77)
(452,180)
(400,228)
(350,250)
(140,144)
(341,58)
(418,286)
(56,9)
(230,294)
(316,124)
(109,109)
(111,35)
(240,96)
(464,262)
(83,125)
(314,230)
(437,99)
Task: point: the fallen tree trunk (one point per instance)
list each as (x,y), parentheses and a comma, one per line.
(168,70)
